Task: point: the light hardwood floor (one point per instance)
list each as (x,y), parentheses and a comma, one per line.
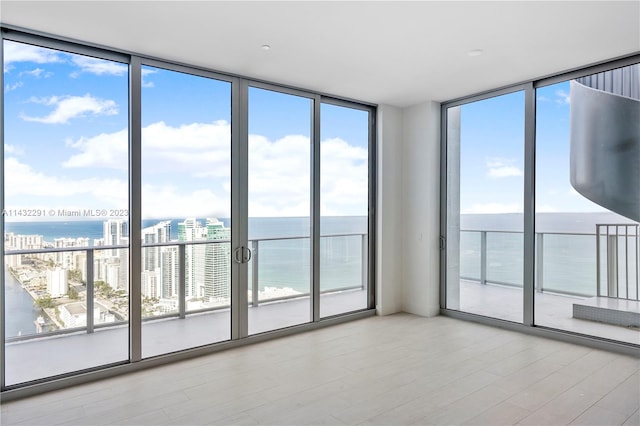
(399,369)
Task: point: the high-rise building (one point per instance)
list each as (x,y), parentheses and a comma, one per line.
(159,270)
(71,260)
(217,262)
(23,242)
(57,284)
(191,230)
(158,233)
(207,266)
(116,232)
(170,272)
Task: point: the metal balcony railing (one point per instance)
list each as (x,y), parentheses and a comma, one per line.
(618,259)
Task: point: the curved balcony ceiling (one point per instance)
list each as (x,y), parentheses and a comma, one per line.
(605,140)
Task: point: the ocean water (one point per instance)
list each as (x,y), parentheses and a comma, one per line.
(258,228)
(569,250)
(568,261)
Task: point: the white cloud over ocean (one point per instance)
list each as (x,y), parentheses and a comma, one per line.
(186,172)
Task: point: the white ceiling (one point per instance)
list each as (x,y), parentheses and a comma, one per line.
(397,53)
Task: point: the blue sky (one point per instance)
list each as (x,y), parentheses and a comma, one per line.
(66,142)
(492,154)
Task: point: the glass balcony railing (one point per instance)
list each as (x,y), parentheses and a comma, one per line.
(604,263)
(75,290)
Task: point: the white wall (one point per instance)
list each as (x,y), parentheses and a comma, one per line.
(421,209)
(389,214)
(408,215)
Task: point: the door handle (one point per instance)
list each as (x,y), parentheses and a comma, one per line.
(237,255)
(242,255)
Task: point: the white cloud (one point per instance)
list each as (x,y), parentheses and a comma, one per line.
(19,52)
(146,72)
(23,180)
(37,73)
(14,86)
(107,150)
(488,208)
(344,177)
(190,203)
(504,171)
(68,107)
(99,66)
(12,149)
(279,176)
(502,167)
(187,169)
(563,97)
(198,149)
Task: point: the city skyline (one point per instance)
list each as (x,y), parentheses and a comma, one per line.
(207,266)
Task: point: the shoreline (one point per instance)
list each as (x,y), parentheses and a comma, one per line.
(34,297)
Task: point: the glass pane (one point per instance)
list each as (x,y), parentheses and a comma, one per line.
(279,210)
(470,260)
(344,207)
(66,185)
(186,210)
(588,204)
(484,207)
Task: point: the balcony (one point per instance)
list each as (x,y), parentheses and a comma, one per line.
(181,324)
(574,272)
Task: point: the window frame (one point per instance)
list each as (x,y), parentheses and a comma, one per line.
(239,139)
(528,324)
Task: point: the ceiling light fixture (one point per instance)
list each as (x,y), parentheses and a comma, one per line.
(265,47)
(475,52)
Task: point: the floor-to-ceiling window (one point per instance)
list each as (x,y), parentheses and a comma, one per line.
(555,204)
(279,209)
(65,211)
(186,210)
(344,202)
(120,179)
(485,169)
(587,204)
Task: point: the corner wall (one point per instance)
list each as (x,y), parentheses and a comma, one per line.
(408,215)
(421,209)
(389,213)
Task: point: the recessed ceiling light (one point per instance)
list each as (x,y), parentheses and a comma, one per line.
(475,52)
(265,47)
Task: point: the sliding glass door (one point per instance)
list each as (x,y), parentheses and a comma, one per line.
(151,208)
(186,210)
(279,210)
(485,147)
(588,204)
(542,212)
(344,201)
